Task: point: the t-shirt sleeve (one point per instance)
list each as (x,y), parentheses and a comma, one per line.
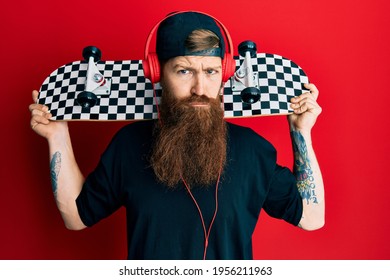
(101,193)
(283,199)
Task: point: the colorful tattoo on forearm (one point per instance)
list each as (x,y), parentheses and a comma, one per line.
(302,169)
(55,166)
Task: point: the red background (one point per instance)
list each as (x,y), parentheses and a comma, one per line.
(343,47)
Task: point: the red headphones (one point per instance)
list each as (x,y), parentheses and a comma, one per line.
(151,65)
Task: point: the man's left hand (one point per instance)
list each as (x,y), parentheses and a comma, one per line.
(306,109)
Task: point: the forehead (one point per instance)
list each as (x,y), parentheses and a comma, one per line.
(195,61)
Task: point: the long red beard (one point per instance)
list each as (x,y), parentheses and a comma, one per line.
(190,143)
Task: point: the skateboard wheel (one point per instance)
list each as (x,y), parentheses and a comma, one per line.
(87,99)
(247,46)
(250,95)
(92,51)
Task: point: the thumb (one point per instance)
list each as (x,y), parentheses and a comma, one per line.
(35,96)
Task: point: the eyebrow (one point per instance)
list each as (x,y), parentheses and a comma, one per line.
(184,65)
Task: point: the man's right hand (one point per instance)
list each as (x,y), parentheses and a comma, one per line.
(40,120)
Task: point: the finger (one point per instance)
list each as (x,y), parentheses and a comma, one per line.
(38,107)
(38,119)
(305,105)
(313,90)
(42,118)
(39,114)
(305,96)
(299,108)
(35,96)
(36,112)
(301,98)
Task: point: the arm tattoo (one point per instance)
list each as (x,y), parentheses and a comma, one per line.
(302,169)
(55,166)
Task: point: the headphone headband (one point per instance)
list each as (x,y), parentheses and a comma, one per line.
(222,27)
(151,64)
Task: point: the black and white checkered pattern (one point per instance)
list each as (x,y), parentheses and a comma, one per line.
(280,79)
(132,96)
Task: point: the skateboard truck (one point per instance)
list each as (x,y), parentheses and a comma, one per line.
(245,80)
(95,83)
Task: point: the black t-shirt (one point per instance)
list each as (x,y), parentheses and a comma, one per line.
(165,224)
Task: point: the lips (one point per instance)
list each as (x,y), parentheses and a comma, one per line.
(199,104)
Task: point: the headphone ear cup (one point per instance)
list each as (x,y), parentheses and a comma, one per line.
(228,67)
(151,67)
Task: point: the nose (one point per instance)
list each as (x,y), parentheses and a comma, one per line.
(198,86)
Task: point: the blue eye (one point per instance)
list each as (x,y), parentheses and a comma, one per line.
(211,71)
(183,72)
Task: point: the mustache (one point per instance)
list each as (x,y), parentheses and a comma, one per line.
(197,98)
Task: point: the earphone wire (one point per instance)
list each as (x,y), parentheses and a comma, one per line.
(206,232)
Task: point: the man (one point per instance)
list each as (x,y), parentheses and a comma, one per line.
(192,184)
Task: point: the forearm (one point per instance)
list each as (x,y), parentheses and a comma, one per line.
(67,180)
(309,180)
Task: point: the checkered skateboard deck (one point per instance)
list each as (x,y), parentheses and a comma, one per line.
(131,96)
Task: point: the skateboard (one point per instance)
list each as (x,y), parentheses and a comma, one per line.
(92,89)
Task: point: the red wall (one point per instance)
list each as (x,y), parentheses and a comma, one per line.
(343,47)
